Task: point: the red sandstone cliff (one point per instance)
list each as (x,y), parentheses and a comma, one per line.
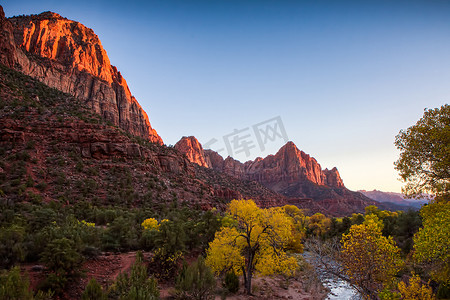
(193,151)
(68,56)
(288,165)
(333,178)
(8,55)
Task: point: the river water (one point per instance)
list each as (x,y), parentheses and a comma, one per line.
(339,289)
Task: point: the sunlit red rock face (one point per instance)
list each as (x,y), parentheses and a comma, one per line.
(289,165)
(193,151)
(68,56)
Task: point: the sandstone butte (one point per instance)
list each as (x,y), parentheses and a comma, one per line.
(68,56)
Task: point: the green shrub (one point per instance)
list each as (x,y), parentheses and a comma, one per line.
(41,186)
(148,238)
(231,282)
(196,281)
(14,287)
(165,265)
(63,261)
(93,291)
(120,235)
(12,248)
(136,285)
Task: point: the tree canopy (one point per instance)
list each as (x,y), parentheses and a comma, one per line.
(371,260)
(424,162)
(432,242)
(256,241)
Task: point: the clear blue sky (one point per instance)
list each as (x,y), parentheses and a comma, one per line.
(343,76)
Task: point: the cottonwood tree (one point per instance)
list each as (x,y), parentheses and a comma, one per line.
(415,289)
(370,259)
(254,242)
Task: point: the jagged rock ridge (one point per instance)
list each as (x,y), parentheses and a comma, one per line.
(288,165)
(68,56)
(291,173)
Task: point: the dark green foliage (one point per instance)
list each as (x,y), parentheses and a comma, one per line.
(172,236)
(196,281)
(63,261)
(12,248)
(121,235)
(137,285)
(443,292)
(165,265)
(41,186)
(85,238)
(357,219)
(402,228)
(13,286)
(338,228)
(149,239)
(231,282)
(93,291)
(187,229)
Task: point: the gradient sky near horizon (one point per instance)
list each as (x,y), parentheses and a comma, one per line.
(344,76)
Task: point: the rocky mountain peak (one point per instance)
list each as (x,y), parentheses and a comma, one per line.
(49,15)
(68,56)
(68,42)
(193,150)
(333,178)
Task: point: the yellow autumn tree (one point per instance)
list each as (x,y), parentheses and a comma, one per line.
(152,224)
(432,242)
(415,290)
(370,259)
(299,228)
(254,242)
(318,224)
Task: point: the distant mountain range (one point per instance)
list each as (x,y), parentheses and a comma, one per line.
(395,198)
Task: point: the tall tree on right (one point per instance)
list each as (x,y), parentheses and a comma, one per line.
(424,162)
(424,165)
